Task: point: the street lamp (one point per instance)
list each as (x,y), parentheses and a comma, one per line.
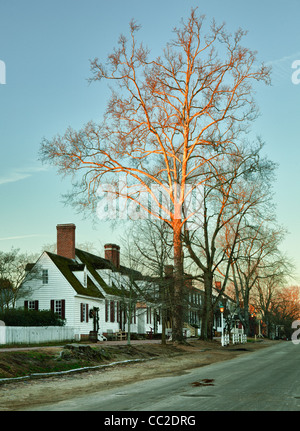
(222,323)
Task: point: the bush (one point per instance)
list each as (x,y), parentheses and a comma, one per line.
(20,317)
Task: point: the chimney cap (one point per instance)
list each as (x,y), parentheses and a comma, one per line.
(114,246)
(66,225)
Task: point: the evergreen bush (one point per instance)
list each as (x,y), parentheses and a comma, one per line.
(20,317)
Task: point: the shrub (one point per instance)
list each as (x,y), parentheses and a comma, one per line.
(20,317)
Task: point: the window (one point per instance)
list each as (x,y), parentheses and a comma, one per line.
(110,311)
(84,312)
(58,306)
(31,305)
(149,313)
(45,276)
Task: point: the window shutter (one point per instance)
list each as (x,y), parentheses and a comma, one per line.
(63,308)
(106,311)
(86,312)
(36,305)
(81,312)
(112,311)
(52,305)
(25,305)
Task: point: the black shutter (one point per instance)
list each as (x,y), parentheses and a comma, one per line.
(106,311)
(63,308)
(81,312)
(112,311)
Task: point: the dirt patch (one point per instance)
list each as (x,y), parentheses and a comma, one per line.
(21,394)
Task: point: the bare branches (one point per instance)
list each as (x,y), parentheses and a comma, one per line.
(168,116)
(170,120)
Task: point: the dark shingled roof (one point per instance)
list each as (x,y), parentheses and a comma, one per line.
(94,262)
(67,266)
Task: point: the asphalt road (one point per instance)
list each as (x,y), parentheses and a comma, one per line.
(266,380)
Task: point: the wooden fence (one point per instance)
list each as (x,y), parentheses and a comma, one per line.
(36,334)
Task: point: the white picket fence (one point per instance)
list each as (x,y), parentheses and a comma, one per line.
(239,338)
(36,334)
(236,338)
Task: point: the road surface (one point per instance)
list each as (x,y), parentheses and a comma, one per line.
(266,380)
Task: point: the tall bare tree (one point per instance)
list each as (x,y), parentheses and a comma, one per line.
(257,258)
(166,119)
(237,190)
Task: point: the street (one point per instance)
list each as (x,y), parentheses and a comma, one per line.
(266,380)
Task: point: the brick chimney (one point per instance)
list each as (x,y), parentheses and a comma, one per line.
(66,240)
(112,253)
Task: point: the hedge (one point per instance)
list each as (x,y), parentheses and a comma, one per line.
(20,317)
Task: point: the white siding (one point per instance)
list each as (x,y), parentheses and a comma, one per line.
(57,288)
(86,326)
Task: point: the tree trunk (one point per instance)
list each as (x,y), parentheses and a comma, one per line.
(207,315)
(163,319)
(177,334)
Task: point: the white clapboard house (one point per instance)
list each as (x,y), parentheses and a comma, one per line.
(75,283)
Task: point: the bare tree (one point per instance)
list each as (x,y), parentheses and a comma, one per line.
(13,273)
(133,284)
(235,191)
(268,288)
(166,119)
(152,240)
(257,258)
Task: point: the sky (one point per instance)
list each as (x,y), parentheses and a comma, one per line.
(45,52)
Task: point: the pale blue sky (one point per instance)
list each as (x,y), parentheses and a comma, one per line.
(46,46)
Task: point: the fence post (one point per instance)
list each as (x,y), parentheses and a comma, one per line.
(2,332)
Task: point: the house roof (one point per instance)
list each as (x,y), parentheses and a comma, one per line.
(66,267)
(93,263)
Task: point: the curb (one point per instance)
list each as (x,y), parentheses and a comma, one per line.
(75,370)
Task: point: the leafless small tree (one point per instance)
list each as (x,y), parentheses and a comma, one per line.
(12,275)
